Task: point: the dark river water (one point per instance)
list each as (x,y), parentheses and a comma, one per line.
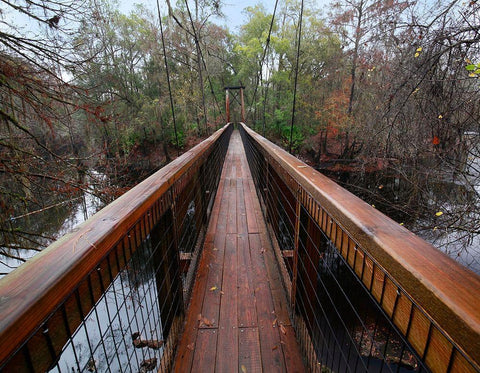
(458,244)
(55,222)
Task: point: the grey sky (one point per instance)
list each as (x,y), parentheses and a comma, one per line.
(232,9)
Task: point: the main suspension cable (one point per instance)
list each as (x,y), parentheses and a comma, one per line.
(172,107)
(267,44)
(212,90)
(200,77)
(193,34)
(296,77)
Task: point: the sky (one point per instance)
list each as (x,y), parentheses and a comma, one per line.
(233,9)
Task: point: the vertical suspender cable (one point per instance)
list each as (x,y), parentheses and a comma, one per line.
(168,77)
(199,57)
(296,76)
(201,54)
(265,93)
(211,88)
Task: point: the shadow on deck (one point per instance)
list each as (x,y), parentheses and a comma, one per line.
(238,319)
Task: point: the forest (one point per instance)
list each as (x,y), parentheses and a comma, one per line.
(381,95)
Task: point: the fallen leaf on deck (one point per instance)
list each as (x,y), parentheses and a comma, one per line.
(213,288)
(215,249)
(221,292)
(282,328)
(439,213)
(274,348)
(274,323)
(244,370)
(207,322)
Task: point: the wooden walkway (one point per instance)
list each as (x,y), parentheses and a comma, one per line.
(238,320)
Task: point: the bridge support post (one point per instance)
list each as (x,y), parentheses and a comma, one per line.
(242,104)
(166,261)
(227,105)
(235,97)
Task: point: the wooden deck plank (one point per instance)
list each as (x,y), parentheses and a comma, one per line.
(227,347)
(238,292)
(242,224)
(205,355)
(291,351)
(247,310)
(232,209)
(272,357)
(249,351)
(250,195)
(211,303)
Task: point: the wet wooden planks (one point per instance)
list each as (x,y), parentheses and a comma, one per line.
(237,320)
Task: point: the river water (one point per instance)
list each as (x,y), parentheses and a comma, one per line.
(458,244)
(57,221)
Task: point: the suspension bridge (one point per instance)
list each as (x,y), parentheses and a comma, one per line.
(238,257)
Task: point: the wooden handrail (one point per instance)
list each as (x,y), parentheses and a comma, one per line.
(440,288)
(32,292)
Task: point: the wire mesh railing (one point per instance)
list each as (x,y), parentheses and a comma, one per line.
(110,297)
(365,293)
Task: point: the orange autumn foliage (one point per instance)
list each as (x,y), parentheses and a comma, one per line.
(335,111)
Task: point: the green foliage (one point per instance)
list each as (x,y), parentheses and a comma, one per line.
(296,135)
(129,139)
(473,69)
(181,139)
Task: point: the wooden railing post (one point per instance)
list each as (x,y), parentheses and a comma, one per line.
(177,273)
(167,269)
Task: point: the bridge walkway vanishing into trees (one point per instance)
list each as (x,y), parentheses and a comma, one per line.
(239,257)
(239,316)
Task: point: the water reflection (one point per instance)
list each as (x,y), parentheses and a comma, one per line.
(123,332)
(441,206)
(42,227)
